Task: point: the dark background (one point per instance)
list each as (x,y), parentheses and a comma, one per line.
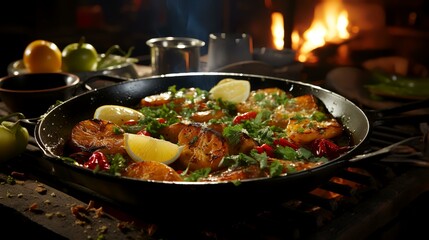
(103,23)
(130,23)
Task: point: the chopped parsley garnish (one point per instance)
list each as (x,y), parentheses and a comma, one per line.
(118,131)
(233,133)
(286,153)
(276,168)
(117,164)
(194,176)
(319,116)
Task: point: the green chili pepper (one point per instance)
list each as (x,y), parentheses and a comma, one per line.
(398,86)
(108,61)
(13,137)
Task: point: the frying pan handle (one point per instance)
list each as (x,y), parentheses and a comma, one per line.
(405,107)
(385,150)
(392,114)
(411,119)
(86,84)
(17,116)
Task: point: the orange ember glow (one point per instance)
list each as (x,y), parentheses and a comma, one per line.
(330,24)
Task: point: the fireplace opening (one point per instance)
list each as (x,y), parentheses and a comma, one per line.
(330,33)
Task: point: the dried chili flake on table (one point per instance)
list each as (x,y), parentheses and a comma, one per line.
(41,189)
(34,208)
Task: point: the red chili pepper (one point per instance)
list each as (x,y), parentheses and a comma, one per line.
(201,106)
(131,122)
(327,148)
(245,116)
(162,120)
(285,143)
(143,132)
(97,159)
(267,149)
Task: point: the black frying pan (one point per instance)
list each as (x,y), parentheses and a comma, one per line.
(188,198)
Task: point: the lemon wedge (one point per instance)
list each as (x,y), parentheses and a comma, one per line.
(231,90)
(117,114)
(226,80)
(146,148)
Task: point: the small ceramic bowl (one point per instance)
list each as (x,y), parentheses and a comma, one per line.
(34,93)
(125,69)
(273,57)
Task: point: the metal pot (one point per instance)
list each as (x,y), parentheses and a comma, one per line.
(174,54)
(191,198)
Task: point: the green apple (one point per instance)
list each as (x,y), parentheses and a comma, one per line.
(79,57)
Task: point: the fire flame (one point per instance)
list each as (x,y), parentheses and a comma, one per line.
(277,30)
(330,24)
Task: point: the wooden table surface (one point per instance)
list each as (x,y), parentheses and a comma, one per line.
(38,206)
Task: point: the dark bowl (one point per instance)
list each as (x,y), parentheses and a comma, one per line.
(34,93)
(273,57)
